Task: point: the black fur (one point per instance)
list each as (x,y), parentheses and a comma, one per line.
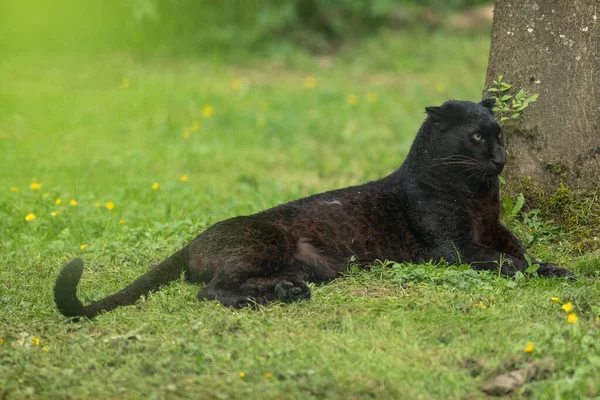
(443,203)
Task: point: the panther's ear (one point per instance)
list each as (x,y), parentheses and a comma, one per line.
(488,103)
(434,112)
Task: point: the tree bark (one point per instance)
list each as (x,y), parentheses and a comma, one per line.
(552,48)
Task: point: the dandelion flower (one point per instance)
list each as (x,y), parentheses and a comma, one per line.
(567,307)
(353,99)
(186,133)
(83,246)
(207,111)
(372,97)
(268,375)
(35,340)
(54,213)
(480,305)
(195,126)
(20,380)
(155,186)
(58,201)
(236,84)
(35,185)
(45,349)
(242,374)
(310,82)
(572,318)
(183,178)
(14,189)
(555,299)
(74,203)
(30,217)
(109,205)
(124,83)
(121,222)
(528,348)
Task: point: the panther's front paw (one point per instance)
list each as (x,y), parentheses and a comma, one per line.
(292,291)
(554,271)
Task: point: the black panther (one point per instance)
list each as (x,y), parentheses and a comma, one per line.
(442,204)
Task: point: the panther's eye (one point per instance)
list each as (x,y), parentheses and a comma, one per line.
(477,136)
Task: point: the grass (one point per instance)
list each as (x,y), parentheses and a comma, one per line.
(106,128)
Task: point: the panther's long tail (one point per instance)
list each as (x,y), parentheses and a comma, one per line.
(65,288)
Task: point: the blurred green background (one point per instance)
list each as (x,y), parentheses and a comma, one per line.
(203,26)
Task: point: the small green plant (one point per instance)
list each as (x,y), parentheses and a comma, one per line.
(458,277)
(511,206)
(507,105)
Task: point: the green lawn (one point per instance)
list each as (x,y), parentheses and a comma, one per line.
(221,140)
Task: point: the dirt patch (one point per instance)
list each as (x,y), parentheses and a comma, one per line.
(505,383)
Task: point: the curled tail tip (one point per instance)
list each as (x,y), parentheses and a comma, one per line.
(72,270)
(65,289)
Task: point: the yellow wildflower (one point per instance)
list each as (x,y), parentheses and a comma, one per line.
(124,83)
(207,111)
(267,375)
(83,246)
(35,185)
(20,380)
(14,189)
(195,126)
(37,257)
(242,374)
(30,217)
(567,306)
(372,97)
(155,186)
(74,203)
(183,178)
(35,340)
(480,305)
(186,133)
(528,348)
(572,318)
(1,340)
(54,213)
(45,349)
(353,99)
(236,84)
(555,299)
(121,222)
(110,205)
(58,201)
(310,82)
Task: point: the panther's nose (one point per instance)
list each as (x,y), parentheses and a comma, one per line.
(499,159)
(498,164)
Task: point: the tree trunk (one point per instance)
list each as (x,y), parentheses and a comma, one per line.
(552,48)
